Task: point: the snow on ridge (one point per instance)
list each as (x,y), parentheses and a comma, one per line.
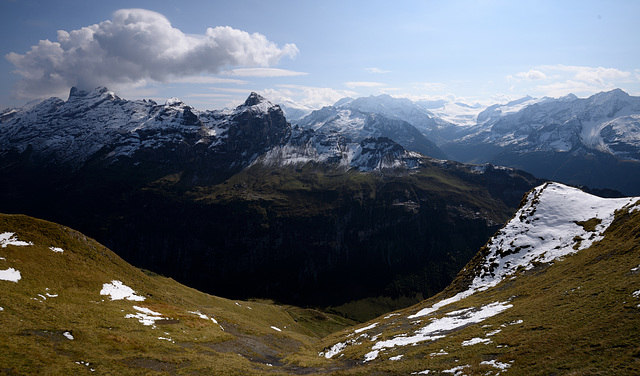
(118,291)
(10,238)
(550,225)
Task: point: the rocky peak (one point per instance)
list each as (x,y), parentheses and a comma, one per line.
(254,99)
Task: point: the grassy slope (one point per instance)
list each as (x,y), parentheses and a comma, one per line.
(579,317)
(32,323)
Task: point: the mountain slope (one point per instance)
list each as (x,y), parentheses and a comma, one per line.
(554,291)
(71,306)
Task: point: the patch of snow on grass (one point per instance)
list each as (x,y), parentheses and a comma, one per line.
(496,364)
(394,358)
(636,294)
(68,335)
(56,249)
(476,341)
(437,328)
(145,316)
(118,291)
(1,309)
(276,328)
(334,350)
(457,371)
(365,328)
(9,238)
(205,317)
(10,274)
(441,352)
(86,364)
(371,355)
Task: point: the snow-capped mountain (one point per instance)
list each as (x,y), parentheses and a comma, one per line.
(564,124)
(333,149)
(100,127)
(591,141)
(360,119)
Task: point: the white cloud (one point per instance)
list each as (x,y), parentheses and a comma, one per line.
(376,70)
(263,72)
(137,45)
(532,75)
(560,80)
(306,96)
(354,85)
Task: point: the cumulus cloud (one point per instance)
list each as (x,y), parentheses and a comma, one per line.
(532,75)
(137,45)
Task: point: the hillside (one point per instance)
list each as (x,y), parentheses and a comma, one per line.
(555,291)
(71,306)
(568,304)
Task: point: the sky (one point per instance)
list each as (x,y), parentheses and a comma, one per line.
(213,54)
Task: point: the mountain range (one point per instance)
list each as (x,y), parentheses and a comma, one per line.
(581,141)
(221,199)
(554,291)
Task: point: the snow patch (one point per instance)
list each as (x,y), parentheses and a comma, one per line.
(394,358)
(145,316)
(365,328)
(68,335)
(476,341)
(118,291)
(56,249)
(9,238)
(276,328)
(437,328)
(495,364)
(10,274)
(371,355)
(334,350)
(457,371)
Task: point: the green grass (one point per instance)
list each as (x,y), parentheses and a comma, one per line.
(579,317)
(32,328)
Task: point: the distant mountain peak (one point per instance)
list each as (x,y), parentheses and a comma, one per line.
(254,99)
(78,93)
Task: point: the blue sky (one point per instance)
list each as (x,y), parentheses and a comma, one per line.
(212,54)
